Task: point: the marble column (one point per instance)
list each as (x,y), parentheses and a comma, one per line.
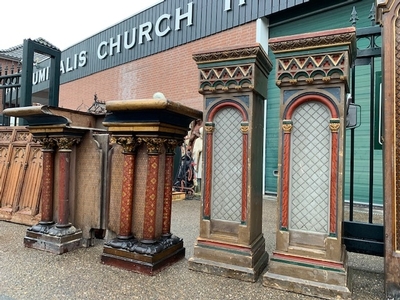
(63,226)
(61,236)
(46,205)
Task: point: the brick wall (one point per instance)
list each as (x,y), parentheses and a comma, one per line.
(172,72)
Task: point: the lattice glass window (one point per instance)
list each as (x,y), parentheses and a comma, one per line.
(226,195)
(310,168)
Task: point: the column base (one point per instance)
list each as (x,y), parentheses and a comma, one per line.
(229,260)
(312,277)
(148,259)
(57,244)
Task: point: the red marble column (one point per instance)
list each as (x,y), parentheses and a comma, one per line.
(63,188)
(169,165)
(47,182)
(65,146)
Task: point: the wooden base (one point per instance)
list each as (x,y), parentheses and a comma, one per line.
(176,196)
(142,263)
(51,243)
(229,260)
(312,277)
(20,217)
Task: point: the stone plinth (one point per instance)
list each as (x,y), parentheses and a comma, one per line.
(148,131)
(312,72)
(231,243)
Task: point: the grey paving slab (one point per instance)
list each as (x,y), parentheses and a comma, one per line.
(31,274)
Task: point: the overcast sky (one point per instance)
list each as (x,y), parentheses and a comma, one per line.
(63,23)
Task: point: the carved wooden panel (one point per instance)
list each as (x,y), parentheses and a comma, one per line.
(28,198)
(14,174)
(20,176)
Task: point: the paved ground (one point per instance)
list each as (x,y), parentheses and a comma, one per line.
(31,274)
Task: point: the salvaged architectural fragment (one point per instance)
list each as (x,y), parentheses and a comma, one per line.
(312,73)
(68,217)
(231,242)
(147,132)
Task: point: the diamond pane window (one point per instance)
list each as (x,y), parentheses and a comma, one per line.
(227,174)
(310,168)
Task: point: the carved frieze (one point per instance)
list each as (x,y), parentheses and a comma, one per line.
(226,54)
(226,78)
(310,68)
(239,75)
(305,66)
(312,42)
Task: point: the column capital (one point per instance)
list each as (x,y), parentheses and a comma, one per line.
(153,144)
(171,145)
(209,127)
(48,143)
(128,143)
(66,143)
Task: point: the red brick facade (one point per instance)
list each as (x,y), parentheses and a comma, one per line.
(172,72)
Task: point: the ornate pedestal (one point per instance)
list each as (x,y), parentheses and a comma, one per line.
(231,242)
(57,138)
(148,131)
(312,73)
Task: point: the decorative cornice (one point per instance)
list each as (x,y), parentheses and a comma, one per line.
(227,54)
(314,58)
(309,41)
(231,70)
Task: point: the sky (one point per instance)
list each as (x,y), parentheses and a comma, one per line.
(62,23)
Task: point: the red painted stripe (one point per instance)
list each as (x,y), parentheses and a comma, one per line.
(311,261)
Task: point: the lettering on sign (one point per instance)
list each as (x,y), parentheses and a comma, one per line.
(131,38)
(228,4)
(145,32)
